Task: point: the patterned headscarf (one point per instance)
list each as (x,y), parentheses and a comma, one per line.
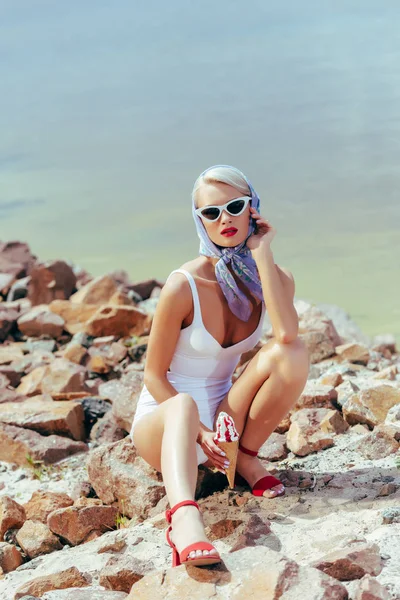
(239,256)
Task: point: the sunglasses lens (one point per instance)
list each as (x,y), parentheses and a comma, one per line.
(236,206)
(211,213)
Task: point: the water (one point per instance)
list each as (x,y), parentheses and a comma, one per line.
(111,112)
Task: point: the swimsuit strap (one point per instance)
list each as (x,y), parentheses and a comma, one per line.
(196,302)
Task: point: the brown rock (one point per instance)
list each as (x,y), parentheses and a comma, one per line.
(31,384)
(274,448)
(75,353)
(10,557)
(305,434)
(69,578)
(74,524)
(121,478)
(97,364)
(121,299)
(42,503)
(353,352)
(16,443)
(83,501)
(145,288)
(332,379)
(12,514)
(121,321)
(121,572)
(124,394)
(345,391)
(63,376)
(75,315)
(16,258)
(333,422)
(257,573)
(316,395)
(106,430)
(35,538)
(98,291)
(41,321)
(254,531)
(369,588)
(69,395)
(351,563)
(377,444)
(387,489)
(370,406)
(51,281)
(284,425)
(318,344)
(46,416)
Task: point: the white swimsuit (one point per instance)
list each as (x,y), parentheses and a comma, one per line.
(200,367)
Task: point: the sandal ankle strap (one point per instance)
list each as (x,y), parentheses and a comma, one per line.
(170,512)
(247,451)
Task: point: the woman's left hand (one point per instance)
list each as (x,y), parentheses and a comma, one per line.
(263,234)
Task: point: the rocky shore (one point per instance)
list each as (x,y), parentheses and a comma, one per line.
(82,516)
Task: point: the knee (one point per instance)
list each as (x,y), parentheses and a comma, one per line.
(292,360)
(184,405)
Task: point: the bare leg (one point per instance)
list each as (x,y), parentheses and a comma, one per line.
(166,439)
(260,398)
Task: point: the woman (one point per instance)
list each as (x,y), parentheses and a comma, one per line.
(209,312)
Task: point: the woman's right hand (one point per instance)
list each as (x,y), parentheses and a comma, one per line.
(212,451)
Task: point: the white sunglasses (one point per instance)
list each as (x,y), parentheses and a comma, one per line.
(234,207)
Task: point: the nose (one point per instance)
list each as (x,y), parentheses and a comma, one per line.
(225,217)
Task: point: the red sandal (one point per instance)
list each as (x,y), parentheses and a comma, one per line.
(183,557)
(265,483)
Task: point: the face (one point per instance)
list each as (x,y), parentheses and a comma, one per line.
(228,230)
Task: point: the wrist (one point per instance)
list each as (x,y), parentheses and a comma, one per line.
(263,253)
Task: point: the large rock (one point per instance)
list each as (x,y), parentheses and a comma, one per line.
(64,376)
(36,587)
(123,479)
(121,321)
(10,558)
(35,538)
(74,315)
(377,444)
(121,572)
(316,395)
(371,405)
(257,573)
(49,281)
(41,321)
(305,434)
(75,523)
(43,502)
(351,563)
(318,344)
(17,443)
(274,448)
(98,291)
(124,394)
(16,258)
(353,352)
(46,416)
(12,514)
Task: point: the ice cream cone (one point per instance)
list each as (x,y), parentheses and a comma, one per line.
(231,450)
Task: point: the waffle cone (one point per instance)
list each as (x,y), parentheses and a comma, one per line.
(231,450)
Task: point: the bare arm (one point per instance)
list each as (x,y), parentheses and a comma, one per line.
(173,306)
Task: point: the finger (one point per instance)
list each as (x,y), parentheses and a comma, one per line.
(215,448)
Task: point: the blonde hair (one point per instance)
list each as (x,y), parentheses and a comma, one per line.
(222,174)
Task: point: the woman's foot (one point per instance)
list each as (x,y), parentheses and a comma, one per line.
(251,468)
(188,528)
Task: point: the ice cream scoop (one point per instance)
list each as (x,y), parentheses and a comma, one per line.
(227,439)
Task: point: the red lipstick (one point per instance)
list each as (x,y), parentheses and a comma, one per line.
(229,231)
